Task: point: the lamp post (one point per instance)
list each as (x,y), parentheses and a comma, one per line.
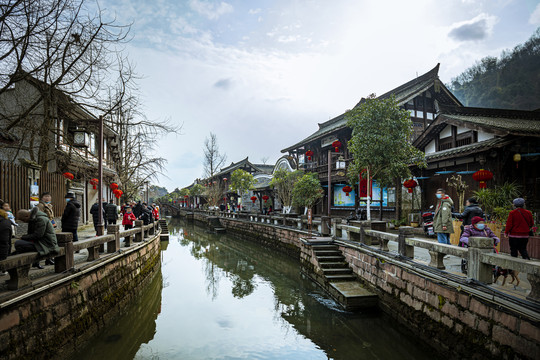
(80,139)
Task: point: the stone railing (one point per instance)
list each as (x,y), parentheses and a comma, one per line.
(18,266)
(480,256)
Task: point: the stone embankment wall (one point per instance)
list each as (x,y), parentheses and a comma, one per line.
(55,321)
(452,321)
(457,323)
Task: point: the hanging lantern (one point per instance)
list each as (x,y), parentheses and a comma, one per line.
(309,154)
(410,185)
(225,179)
(265,198)
(68,175)
(347,189)
(114,186)
(118,193)
(336,145)
(253,198)
(94,183)
(482,176)
(517,159)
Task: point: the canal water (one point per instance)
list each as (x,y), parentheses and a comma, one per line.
(220,297)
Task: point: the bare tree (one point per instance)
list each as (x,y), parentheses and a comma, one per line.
(264,159)
(213,159)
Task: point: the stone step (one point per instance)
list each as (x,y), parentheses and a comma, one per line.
(333,264)
(342,277)
(323,259)
(353,295)
(337,271)
(327,253)
(324,247)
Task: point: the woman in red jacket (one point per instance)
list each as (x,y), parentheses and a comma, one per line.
(519,224)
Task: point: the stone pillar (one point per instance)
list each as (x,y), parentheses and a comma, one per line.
(18,277)
(436,259)
(403,248)
(93,253)
(67,261)
(114,244)
(478,270)
(152,230)
(139,235)
(127,241)
(534,295)
(325,225)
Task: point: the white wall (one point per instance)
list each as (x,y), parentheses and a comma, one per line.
(482,136)
(430,148)
(447,131)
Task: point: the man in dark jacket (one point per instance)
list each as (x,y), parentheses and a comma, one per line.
(471,210)
(111,212)
(41,236)
(137,209)
(71,215)
(146,215)
(94,210)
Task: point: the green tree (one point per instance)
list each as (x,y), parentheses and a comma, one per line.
(307,191)
(283,182)
(241,181)
(196,190)
(380,143)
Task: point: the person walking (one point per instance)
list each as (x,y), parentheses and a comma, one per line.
(46,206)
(442,220)
(128,218)
(94,210)
(6,232)
(41,236)
(71,215)
(519,226)
(111,212)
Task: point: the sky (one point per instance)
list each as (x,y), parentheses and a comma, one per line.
(262,74)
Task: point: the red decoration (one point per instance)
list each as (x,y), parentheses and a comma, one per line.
(336,145)
(482,176)
(224,199)
(265,198)
(118,193)
(253,198)
(347,189)
(410,185)
(362,187)
(186,196)
(94,183)
(114,186)
(225,179)
(309,154)
(68,175)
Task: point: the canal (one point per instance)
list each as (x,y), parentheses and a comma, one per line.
(219,297)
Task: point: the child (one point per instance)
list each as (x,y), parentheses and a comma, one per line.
(128,218)
(11,217)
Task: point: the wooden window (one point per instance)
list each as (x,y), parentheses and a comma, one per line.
(445,144)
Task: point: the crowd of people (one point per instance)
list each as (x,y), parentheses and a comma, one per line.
(42,227)
(519,226)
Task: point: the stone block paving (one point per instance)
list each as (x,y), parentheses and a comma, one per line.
(453,266)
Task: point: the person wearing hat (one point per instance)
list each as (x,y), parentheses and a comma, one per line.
(478,228)
(71,215)
(519,226)
(41,236)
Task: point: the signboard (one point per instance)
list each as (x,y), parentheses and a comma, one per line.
(376,196)
(309,216)
(34,195)
(341,198)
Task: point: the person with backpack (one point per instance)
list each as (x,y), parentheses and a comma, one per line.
(519,226)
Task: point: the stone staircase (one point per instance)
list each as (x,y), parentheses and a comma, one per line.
(332,263)
(164,229)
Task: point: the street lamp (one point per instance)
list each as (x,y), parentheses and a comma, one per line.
(82,139)
(340,163)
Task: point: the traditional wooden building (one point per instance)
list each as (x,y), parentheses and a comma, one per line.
(422,97)
(463,140)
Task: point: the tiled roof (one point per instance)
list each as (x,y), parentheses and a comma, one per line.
(403,93)
(467,149)
(234,166)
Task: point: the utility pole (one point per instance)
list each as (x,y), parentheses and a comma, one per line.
(100,226)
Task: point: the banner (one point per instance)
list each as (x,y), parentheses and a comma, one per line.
(341,198)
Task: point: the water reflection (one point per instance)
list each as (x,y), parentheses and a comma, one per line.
(226,298)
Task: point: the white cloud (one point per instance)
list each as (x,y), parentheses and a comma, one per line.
(535,16)
(210,10)
(478,28)
(254,11)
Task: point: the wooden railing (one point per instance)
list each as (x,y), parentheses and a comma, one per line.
(18,266)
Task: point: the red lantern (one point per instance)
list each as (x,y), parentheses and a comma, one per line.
(309,154)
(265,198)
(347,189)
(186,196)
(336,145)
(225,179)
(68,175)
(118,193)
(482,176)
(410,185)
(94,183)
(114,186)
(253,198)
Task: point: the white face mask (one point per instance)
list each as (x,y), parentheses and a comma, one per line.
(68,199)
